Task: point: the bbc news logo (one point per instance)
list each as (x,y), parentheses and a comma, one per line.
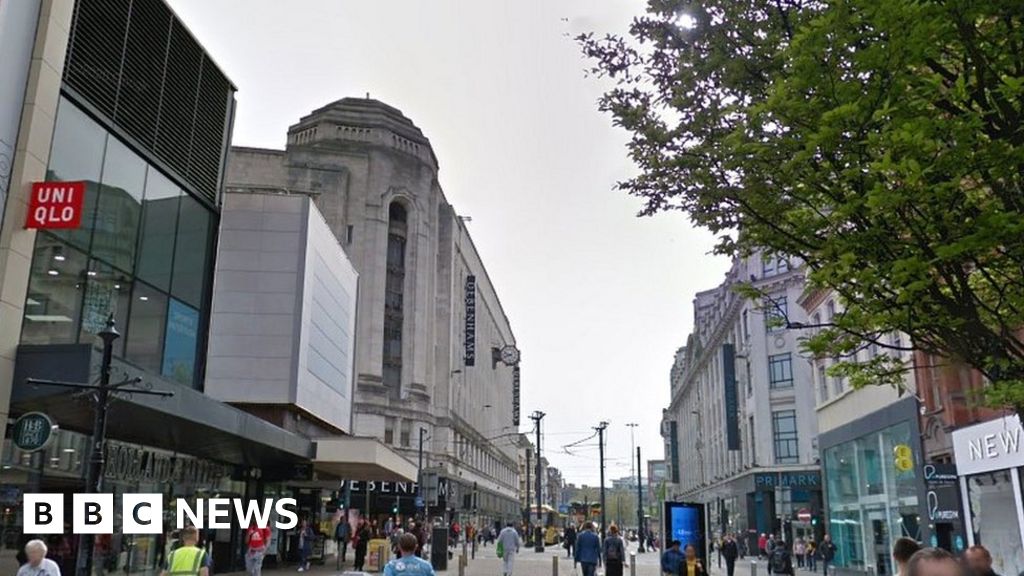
(144,513)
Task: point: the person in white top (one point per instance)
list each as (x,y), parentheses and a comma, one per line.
(38,564)
(510,542)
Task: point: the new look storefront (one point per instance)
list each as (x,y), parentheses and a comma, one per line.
(990,461)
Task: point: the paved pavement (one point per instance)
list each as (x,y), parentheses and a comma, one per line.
(531,563)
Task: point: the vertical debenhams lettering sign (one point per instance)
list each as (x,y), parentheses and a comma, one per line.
(470,352)
(515,395)
(732,422)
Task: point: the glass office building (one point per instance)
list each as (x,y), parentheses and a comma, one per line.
(143,253)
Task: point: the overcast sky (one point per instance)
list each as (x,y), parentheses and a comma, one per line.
(599,300)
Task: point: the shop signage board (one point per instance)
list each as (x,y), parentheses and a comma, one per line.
(515,395)
(470,336)
(732,407)
(940,474)
(771,480)
(56,205)
(992,445)
(33,431)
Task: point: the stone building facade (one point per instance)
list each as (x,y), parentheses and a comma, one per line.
(741,427)
(374,176)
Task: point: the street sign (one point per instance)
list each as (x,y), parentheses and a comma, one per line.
(803,515)
(56,205)
(33,431)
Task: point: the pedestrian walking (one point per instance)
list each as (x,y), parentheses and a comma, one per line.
(800,551)
(672,559)
(781,562)
(935,562)
(903,549)
(691,565)
(509,543)
(409,564)
(762,546)
(186,560)
(588,550)
(306,537)
(769,550)
(37,564)
(362,541)
(812,555)
(613,552)
(569,540)
(342,536)
(730,551)
(256,540)
(979,560)
(827,552)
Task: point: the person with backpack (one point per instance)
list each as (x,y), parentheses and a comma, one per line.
(614,552)
(781,561)
(342,534)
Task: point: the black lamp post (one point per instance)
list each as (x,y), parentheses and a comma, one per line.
(101,396)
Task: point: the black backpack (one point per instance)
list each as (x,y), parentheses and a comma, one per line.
(781,563)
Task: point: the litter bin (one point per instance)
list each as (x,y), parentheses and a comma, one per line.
(377,555)
(439,548)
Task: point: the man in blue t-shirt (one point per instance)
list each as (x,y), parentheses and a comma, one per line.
(409,564)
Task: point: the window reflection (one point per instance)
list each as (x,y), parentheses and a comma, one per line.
(56,282)
(159,223)
(145,341)
(191,252)
(119,207)
(77,154)
(107,292)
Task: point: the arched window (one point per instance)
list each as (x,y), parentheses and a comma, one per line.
(394,292)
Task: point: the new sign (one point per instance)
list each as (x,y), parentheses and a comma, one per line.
(56,205)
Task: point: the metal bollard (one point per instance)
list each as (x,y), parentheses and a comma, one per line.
(753,568)
(462,566)
(554,565)
(632,564)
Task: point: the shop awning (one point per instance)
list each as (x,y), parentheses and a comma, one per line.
(353,457)
(188,422)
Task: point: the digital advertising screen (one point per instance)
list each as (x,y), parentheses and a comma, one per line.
(685,522)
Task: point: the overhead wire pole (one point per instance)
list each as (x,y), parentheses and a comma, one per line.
(600,452)
(538,537)
(639,504)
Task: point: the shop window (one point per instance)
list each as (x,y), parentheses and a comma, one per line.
(159,224)
(119,207)
(191,252)
(77,154)
(55,290)
(107,291)
(180,339)
(146,325)
(784,432)
(993,510)
(780,371)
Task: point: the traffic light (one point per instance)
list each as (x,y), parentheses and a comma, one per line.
(394,509)
(814,521)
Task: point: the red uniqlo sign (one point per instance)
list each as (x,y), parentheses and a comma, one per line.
(56,205)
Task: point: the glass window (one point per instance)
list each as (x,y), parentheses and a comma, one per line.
(159,224)
(107,291)
(191,252)
(144,343)
(77,154)
(406,433)
(120,204)
(389,430)
(787,449)
(180,340)
(776,313)
(55,289)
(993,509)
(780,370)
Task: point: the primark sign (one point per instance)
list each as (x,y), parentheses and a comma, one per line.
(446,490)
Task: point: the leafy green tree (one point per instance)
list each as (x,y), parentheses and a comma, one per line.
(881,142)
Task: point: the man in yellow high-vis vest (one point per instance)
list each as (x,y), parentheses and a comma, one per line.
(189,559)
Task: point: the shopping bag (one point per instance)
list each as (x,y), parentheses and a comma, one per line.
(501,549)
